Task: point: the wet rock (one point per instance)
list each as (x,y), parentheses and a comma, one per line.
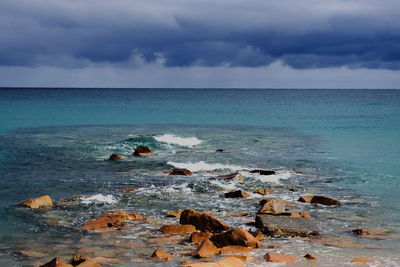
(220,150)
(235,249)
(237,194)
(275,257)
(370,231)
(226,262)
(116,157)
(109,220)
(56,262)
(183,172)
(247,259)
(128,190)
(241,214)
(263,191)
(82,261)
(263,172)
(310,256)
(342,242)
(257,234)
(202,221)
(286,226)
(362,260)
(238,237)
(177,229)
(39,202)
(174,213)
(301,214)
(142,151)
(199,237)
(273,206)
(161,255)
(206,249)
(319,200)
(231,176)
(33,253)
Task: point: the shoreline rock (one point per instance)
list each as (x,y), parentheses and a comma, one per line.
(177,229)
(286,226)
(238,237)
(115,157)
(319,200)
(38,203)
(183,172)
(237,194)
(142,151)
(202,221)
(109,220)
(263,172)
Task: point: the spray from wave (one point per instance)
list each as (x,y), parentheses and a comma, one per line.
(177,140)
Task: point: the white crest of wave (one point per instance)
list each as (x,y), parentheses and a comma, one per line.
(177,140)
(275,178)
(99,198)
(202,166)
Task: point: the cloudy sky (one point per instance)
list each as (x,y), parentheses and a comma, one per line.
(203,43)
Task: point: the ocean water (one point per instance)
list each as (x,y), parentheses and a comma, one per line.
(57,141)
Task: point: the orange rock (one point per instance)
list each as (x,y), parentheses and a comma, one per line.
(275,257)
(247,259)
(301,214)
(240,214)
(370,231)
(161,255)
(226,262)
(263,191)
(319,200)
(142,151)
(116,157)
(206,249)
(198,237)
(237,236)
(174,213)
(237,194)
(235,249)
(39,202)
(289,203)
(273,206)
(82,261)
(202,221)
(310,256)
(363,260)
(183,172)
(258,235)
(177,229)
(113,219)
(56,262)
(272,247)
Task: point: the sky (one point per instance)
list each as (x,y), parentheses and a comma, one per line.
(200,44)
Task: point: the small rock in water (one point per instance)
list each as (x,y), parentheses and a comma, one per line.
(235,237)
(257,235)
(220,150)
(198,237)
(161,255)
(82,261)
(301,214)
(371,231)
(231,176)
(202,221)
(237,194)
(319,200)
(39,202)
(56,262)
(174,213)
(263,191)
(286,226)
(206,249)
(184,172)
(273,206)
(177,229)
(362,260)
(263,172)
(113,219)
(128,190)
(142,151)
(275,257)
(310,256)
(116,157)
(241,214)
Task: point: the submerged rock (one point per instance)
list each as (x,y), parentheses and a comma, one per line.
(82,261)
(174,213)
(319,200)
(142,151)
(362,260)
(206,249)
(161,255)
(235,237)
(231,176)
(202,221)
(237,194)
(39,202)
(177,229)
(273,206)
(275,257)
(183,172)
(112,219)
(56,262)
(226,262)
(235,249)
(116,157)
(286,226)
(263,172)
(263,191)
(370,231)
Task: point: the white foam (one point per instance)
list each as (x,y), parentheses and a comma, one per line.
(177,140)
(275,178)
(99,198)
(202,166)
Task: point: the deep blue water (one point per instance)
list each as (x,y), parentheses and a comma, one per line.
(349,140)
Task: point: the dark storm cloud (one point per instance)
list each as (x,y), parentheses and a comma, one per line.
(301,34)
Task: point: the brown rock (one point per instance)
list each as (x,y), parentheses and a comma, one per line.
(226,262)
(310,256)
(231,176)
(301,214)
(370,231)
(257,234)
(319,200)
(142,151)
(206,249)
(82,261)
(273,206)
(174,213)
(198,237)
(237,194)
(177,229)
(272,247)
(202,221)
(56,262)
(39,202)
(263,172)
(183,172)
(247,259)
(241,214)
(343,242)
(116,157)
(235,249)
(128,190)
(263,191)
(237,236)
(362,260)
(161,255)
(113,219)
(275,257)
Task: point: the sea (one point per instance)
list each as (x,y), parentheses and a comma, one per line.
(57,141)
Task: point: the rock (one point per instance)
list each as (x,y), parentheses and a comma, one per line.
(343,242)
(174,213)
(142,151)
(263,191)
(161,255)
(310,256)
(301,214)
(286,226)
(235,249)
(263,172)
(257,235)
(220,150)
(183,172)
(272,247)
(371,231)
(319,200)
(56,262)
(237,194)
(297,171)
(226,262)
(238,237)
(231,176)
(241,214)
(247,258)
(113,219)
(273,206)
(39,202)
(116,157)
(33,253)
(202,221)
(206,249)
(362,260)
(82,261)
(128,190)
(177,229)
(275,257)
(198,237)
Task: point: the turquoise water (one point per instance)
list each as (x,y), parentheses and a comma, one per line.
(56,141)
